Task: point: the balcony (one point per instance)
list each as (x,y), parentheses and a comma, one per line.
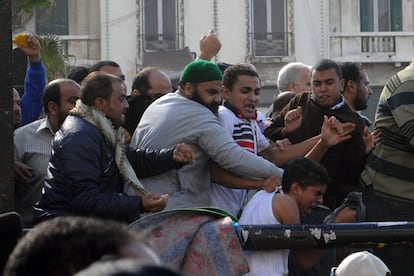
(376,47)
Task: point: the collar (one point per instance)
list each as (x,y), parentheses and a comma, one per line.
(45,124)
(236,112)
(336,106)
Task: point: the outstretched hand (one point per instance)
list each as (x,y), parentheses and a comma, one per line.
(334,132)
(154,203)
(183,153)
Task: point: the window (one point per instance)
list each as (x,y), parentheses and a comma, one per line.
(53,20)
(160,24)
(269,37)
(381,16)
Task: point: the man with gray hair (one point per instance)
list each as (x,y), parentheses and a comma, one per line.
(294,76)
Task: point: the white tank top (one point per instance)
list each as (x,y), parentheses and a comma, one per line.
(263,262)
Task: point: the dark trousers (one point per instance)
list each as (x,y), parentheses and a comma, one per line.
(400,260)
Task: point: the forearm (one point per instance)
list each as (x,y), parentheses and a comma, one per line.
(318,151)
(151,162)
(282,157)
(230,180)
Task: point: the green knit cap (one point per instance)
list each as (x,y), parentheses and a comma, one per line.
(201,71)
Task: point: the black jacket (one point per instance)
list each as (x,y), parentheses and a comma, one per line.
(83,178)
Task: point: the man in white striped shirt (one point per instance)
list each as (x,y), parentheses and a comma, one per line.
(32,144)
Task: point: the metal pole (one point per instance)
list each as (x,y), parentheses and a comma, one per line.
(352,235)
(6,110)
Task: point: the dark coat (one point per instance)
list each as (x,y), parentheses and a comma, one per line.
(83,178)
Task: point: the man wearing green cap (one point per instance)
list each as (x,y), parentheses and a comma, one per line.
(190,115)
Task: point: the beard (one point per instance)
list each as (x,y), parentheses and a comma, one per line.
(359,102)
(213,106)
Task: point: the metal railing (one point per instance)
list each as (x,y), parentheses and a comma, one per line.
(377,46)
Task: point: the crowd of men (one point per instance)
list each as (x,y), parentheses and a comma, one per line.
(83,147)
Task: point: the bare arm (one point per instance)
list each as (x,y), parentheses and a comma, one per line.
(286,211)
(282,157)
(230,180)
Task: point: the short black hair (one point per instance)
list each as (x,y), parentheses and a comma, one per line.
(327,64)
(78,73)
(351,71)
(232,73)
(97,66)
(305,172)
(141,80)
(64,245)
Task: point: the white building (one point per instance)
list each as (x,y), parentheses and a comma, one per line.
(267,33)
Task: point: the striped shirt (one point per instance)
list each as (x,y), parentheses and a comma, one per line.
(247,134)
(390,167)
(32,146)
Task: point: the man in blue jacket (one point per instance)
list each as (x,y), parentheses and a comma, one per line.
(90,166)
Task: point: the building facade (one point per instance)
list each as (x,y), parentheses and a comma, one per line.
(267,33)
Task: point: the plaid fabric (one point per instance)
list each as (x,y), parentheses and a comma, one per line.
(194,242)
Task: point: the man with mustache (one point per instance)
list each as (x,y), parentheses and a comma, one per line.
(190,116)
(303,118)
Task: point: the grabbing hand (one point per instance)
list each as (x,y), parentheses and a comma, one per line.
(33,50)
(293,119)
(22,171)
(154,203)
(210,45)
(371,139)
(281,145)
(271,183)
(334,132)
(183,153)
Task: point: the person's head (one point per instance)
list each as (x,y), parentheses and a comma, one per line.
(125,267)
(17,111)
(202,81)
(326,81)
(306,181)
(361,263)
(78,73)
(59,97)
(106,93)
(65,245)
(356,88)
(108,66)
(151,82)
(281,100)
(241,88)
(294,76)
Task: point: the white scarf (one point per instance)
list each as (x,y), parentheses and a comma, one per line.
(115,138)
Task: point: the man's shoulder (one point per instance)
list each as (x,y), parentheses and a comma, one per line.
(29,128)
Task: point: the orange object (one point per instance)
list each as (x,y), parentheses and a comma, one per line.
(21,40)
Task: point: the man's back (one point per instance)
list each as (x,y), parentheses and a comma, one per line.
(258,211)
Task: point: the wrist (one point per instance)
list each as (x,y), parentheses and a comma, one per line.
(34,58)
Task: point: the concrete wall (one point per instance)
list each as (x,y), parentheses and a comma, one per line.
(118,35)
